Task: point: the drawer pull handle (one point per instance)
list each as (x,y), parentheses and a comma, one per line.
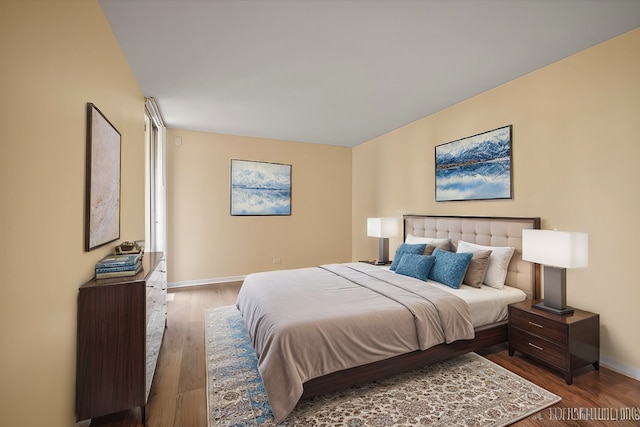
(536,346)
(537,325)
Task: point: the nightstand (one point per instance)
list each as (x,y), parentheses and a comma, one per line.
(374,262)
(565,343)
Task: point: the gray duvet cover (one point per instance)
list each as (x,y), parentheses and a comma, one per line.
(310,322)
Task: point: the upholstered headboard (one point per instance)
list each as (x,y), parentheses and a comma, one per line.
(489,231)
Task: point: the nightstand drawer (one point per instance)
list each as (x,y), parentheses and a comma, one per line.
(540,348)
(539,325)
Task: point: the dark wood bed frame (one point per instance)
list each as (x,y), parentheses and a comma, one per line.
(485,336)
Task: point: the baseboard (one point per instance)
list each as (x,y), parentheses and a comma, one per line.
(205,281)
(621,368)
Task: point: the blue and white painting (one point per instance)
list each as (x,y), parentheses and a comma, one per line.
(260,188)
(475,168)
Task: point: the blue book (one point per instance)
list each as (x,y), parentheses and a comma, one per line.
(113,269)
(111,273)
(119,260)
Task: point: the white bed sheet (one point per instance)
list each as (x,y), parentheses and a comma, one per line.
(486,304)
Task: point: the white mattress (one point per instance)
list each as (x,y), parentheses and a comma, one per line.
(486,304)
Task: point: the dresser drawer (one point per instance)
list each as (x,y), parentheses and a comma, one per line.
(538,325)
(538,347)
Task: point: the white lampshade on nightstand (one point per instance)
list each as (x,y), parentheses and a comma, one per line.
(556,251)
(382,228)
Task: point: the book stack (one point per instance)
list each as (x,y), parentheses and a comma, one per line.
(119,266)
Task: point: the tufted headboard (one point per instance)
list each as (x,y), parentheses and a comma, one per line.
(489,231)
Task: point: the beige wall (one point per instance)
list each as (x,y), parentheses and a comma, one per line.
(59,54)
(56,56)
(206,242)
(576,133)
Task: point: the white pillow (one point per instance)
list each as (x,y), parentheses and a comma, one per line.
(498,261)
(438,243)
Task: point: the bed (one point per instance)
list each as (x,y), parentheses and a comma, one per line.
(322,329)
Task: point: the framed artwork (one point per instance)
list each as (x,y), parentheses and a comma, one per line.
(477,167)
(260,188)
(102,211)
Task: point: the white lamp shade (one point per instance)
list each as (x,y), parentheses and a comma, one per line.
(382,227)
(562,249)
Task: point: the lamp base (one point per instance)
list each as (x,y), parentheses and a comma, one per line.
(560,311)
(383,251)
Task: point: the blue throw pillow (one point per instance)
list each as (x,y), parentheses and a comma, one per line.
(415,265)
(450,267)
(406,248)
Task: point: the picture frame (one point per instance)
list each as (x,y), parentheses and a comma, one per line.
(260,188)
(477,167)
(103,163)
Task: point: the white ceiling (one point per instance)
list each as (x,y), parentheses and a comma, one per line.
(341,72)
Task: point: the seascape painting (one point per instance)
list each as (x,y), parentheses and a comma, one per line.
(475,168)
(260,188)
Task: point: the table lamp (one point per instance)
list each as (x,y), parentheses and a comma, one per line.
(556,251)
(382,228)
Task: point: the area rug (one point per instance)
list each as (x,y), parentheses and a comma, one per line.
(464,391)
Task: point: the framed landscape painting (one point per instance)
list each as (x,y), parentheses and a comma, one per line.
(102,211)
(260,188)
(477,167)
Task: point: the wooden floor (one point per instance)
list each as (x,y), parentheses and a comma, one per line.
(178,393)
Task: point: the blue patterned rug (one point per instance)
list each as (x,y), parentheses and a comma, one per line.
(465,391)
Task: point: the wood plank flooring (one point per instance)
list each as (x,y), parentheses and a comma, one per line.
(178,393)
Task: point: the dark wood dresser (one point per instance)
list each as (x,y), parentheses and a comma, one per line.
(121,323)
(565,343)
